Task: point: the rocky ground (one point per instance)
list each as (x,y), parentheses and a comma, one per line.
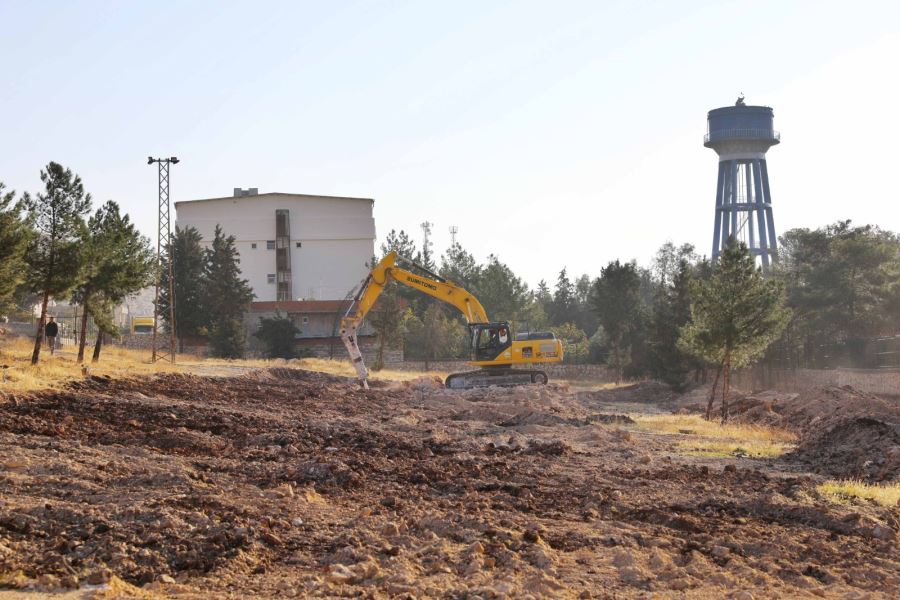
(289,483)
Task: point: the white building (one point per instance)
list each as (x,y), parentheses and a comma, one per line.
(292,246)
(301,254)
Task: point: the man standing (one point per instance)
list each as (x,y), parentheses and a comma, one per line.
(50,331)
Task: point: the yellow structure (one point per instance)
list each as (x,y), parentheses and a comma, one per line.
(493,347)
(142,325)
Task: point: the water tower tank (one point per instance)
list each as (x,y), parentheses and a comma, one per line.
(741,135)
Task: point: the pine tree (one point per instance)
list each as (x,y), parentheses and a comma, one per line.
(671,312)
(226,298)
(460,267)
(279,334)
(504,295)
(189,267)
(616,300)
(118,261)
(388,318)
(735,316)
(15,235)
(54,255)
(562,308)
(399,243)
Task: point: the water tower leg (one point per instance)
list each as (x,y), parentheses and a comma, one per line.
(761,215)
(748,200)
(717,228)
(770,221)
(732,197)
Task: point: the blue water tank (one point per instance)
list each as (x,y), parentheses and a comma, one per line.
(740,123)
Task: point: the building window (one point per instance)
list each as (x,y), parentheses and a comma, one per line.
(270,278)
(270,244)
(305,320)
(253,245)
(299,245)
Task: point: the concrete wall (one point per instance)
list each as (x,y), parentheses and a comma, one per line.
(881,382)
(336,238)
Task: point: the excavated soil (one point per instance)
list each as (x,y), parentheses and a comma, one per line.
(289,483)
(843,432)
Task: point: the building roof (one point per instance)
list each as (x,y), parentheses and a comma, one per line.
(301,306)
(251,197)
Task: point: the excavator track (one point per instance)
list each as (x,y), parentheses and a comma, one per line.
(487,377)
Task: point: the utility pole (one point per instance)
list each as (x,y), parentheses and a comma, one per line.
(164,237)
(453,231)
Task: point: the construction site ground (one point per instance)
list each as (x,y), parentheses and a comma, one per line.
(284,482)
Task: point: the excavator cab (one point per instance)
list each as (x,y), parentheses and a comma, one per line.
(489,340)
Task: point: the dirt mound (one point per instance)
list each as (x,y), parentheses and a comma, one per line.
(843,432)
(645,392)
(859,448)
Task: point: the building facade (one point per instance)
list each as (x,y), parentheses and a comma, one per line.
(292,246)
(302,254)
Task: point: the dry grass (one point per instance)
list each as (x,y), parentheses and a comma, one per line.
(697,425)
(842,492)
(713,439)
(53,371)
(718,449)
(115,361)
(334,366)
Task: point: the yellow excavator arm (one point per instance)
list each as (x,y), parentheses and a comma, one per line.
(373,286)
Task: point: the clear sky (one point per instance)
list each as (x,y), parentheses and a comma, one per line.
(551,133)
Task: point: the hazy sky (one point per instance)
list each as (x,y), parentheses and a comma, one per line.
(551,133)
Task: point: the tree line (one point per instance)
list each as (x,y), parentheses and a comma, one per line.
(678,319)
(53,246)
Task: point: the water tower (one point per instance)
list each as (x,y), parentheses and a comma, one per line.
(741,135)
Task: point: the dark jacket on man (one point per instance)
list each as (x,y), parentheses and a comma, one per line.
(51,329)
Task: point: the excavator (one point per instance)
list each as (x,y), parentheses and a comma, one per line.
(493,348)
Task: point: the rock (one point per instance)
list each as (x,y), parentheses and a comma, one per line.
(390,530)
(297,522)
(389,501)
(742,595)
(47,582)
(883,533)
(165,578)
(474,566)
(338,573)
(682,583)
(623,559)
(631,575)
(721,579)
(99,577)
(720,551)
(531,536)
(658,561)
(539,557)
(729,469)
(69,581)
